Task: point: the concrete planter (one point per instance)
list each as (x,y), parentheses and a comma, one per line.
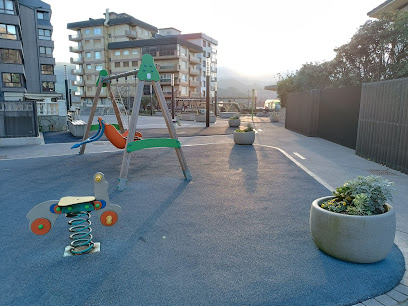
(360,239)
(244,138)
(234,122)
(202,118)
(274,117)
(227,114)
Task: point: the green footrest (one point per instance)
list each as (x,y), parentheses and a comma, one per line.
(153,143)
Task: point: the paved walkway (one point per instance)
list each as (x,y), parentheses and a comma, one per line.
(328,163)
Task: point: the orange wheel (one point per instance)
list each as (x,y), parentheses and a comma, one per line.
(109,218)
(57,209)
(40,226)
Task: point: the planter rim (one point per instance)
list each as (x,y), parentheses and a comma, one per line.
(246,132)
(322,199)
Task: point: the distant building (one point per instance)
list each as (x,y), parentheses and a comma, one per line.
(26,51)
(117,43)
(388,6)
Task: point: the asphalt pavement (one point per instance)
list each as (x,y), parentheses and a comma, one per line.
(238,233)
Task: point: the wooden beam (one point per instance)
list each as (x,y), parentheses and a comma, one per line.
(131,135)
(91,116)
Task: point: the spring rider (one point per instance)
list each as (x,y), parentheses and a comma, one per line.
(78,209)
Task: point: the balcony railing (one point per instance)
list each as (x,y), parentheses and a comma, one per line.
(75,37)
(168,68)
(75,49)
(194,59)
(77,83)
(77,71)
(131,34)
(195,95)
(194,84)
(194,71)
(76,61)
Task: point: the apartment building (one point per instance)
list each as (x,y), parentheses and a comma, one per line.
(389,6)
(26,51)
(117,43)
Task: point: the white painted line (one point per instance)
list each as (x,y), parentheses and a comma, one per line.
(316,177)
(298,155)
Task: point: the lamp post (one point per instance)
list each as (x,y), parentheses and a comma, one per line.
(215,98)
(172,96)
(207,92)
(66,88)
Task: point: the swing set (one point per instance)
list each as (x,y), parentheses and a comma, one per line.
(131,140)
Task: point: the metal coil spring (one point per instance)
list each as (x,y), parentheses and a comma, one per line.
(81,229)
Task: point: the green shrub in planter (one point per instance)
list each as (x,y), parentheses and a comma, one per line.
(361,196)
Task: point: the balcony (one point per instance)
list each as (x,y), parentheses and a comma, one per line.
(76,49)
(213,50)
(76,61)
(194,71)
(213,69)
(195,60)
(75,37)
(194,84)
(77,83)
(131,34)
(78,93)
(195,95)
(168,68)
(77,71)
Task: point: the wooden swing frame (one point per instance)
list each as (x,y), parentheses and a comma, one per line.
(133,121)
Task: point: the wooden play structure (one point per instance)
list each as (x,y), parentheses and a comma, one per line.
(149,73)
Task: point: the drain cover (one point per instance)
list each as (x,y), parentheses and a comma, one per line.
(381,172)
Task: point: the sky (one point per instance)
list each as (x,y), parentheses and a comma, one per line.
(256,39)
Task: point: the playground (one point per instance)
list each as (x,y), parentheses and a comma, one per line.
(237,233)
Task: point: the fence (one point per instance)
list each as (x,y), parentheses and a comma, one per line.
(18,119)
(383,123)
(331,114)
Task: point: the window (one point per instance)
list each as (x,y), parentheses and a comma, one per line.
(183,65)
(126,52)
(7,7)
(134,64)
(97,54)
(183,51)
(134,51)
(98,67)
(48,86)
(8,31)
(87,31)
(46,51)
(97,42)
(87,41)
(97,31)
(117,53)
(89,77)
(42,15)
(88,54)
(183,90)
(125,64)
(12,79)
(44,34)
(47,69)
(89,88)
(117,65)
(204,43)
(10,56)
(183,77)
(89,67)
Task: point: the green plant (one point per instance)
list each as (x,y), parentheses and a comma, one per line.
(361,196)
(249,128)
